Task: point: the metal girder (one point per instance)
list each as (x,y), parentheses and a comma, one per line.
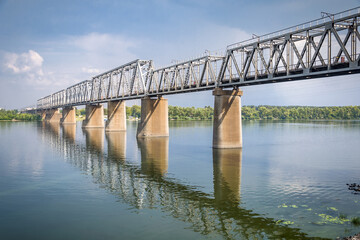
(265,59)
(185,76)
(113,84)
(275,62)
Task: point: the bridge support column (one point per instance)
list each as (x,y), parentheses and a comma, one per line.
(227,129)
(116,116)
(43,115)
(94,116)
(154,118)
(53,115)
(68,115)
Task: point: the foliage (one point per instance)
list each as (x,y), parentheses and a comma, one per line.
(178,113)
(80,112)
(190,113)
(256,113)
(15,115)
(298,112)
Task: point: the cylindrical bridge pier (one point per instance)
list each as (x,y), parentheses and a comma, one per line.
(68,115)
(94,116)
(154,118)
(116,116)
(227,129)
(53,115)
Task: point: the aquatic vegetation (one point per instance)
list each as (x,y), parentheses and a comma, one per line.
(355,221)
(309,209)
(332,208)
(326,219)
(285,206)
(281,221)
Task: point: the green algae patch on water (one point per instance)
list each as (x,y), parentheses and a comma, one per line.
(328,219)
(283,222)
(287,206)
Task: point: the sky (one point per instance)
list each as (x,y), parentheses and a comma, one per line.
(48,45)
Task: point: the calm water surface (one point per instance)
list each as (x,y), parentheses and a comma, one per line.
(288,181)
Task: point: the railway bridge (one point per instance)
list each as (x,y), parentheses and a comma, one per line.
(320,48)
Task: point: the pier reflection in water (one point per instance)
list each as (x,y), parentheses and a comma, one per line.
(69,132)
(154,155)
(147,186)
(116,144)
(94,139)
(54,128)
(227,174)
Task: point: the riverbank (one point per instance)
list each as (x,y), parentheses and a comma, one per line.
(355,237)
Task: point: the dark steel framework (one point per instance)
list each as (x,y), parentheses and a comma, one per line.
(321,48)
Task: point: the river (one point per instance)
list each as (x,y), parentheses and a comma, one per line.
(288,181)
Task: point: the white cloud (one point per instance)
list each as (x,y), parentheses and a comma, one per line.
(26,67)
(90,70)
(102,49)
(30,61)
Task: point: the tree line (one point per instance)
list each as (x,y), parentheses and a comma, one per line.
(261,113)
(301,112)
(207,113)
(15,115)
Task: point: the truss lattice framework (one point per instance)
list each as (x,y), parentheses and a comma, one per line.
(319,48)
(129,80)
(324,47)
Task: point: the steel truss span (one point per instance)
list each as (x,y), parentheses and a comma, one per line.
(325,47)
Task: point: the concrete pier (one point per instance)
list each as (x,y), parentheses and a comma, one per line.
(43,115)
(116,116)
(94,116)
(53,115)
(227,130)
(68,115)
(154,118)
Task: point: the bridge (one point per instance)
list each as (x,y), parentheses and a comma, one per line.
(146,186)
(323,47)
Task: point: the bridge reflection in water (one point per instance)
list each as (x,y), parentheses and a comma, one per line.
(147,186)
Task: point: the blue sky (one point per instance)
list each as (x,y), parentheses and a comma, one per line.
(46,45)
